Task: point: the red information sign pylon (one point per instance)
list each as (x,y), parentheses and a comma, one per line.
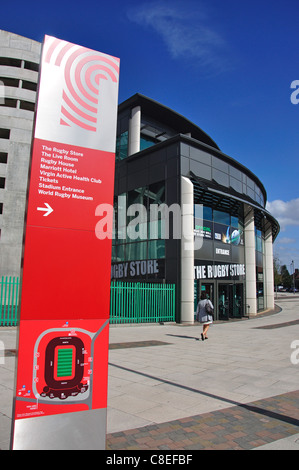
(61,383)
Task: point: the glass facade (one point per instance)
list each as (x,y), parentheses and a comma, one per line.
(146,142)
(213,229)
(122,146)
(220,172)
(220,259)
(137,234)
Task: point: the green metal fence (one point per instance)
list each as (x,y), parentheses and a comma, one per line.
(129,302)
(9,298)
(142,303)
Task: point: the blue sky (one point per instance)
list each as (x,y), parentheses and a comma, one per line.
(225,65)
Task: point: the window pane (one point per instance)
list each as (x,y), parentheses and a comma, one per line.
(259,246)
(136,251)
(156,229)
(146,142)
(131,251)
(135,196)
(198,211)
(122,146)
(156,249)
(156,193)
(120,252)
(141,250)
(114,251)
(234,221)
(207,213)
(221,217)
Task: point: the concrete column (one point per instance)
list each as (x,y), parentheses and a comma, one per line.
(134,131)
(250,262)
(268,270)
(187,251)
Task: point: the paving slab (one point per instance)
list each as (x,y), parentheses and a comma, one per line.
(236,390)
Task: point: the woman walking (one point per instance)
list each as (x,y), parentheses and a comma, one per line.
(204,314)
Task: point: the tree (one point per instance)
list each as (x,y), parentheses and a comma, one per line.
(277,272)
(286,278)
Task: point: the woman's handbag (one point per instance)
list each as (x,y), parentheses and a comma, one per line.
(209,309)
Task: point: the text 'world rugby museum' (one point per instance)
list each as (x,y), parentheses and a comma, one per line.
(209,232)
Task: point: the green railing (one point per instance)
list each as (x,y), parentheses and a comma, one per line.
(129,302)
(142,303)
(9,298)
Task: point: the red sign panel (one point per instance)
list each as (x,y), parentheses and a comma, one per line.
(63,258)
(64,367)
(64,314)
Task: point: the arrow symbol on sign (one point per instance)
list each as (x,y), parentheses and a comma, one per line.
(47,209)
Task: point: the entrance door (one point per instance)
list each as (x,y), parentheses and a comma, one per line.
(237,300)
(203,287)
(223,301)
(230,301)
(208,289)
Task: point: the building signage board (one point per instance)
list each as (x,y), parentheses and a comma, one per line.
(222,271)
(203,229)
(226,234)
(64,308)
(140,269)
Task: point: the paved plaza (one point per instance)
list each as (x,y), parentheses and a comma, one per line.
(169,390)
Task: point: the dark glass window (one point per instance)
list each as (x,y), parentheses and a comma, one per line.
(31,66)
(221,217)
(156,193)
(122,146)
(136,251)
(29,85)
(146,142)
(234,221)
(142,239)
(10,62)
(27,105)
(13,82)
(207,213)
(156,249)
(9,103)
(3,157)
(4,133)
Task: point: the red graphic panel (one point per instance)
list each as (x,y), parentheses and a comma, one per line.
(64,367)
(67,184)
(66,273)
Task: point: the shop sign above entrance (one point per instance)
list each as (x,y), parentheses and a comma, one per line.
(223,271)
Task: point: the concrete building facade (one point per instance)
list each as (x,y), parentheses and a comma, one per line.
(19,65)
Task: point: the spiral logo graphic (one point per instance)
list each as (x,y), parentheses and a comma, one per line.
(83,71)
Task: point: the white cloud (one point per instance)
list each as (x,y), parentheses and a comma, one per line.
(286,241)
(286,212)
(186,31)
